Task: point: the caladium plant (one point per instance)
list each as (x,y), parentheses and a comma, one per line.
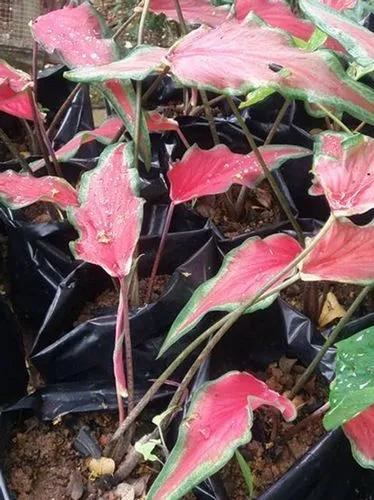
(357,40)
(218,421)
(352,395)
(343,168)
(239,278)
(194,11)
(22,190)
(14,96)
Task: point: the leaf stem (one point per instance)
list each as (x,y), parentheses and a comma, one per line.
(335,119)
(269,176)
(14,151)
(154,84)
(209,115)
(126,23)
(160,249)
(330,340)
(63,108)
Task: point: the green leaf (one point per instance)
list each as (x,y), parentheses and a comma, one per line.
(352,391)
(146,449)
(316,40)
(246,472)
(256,96)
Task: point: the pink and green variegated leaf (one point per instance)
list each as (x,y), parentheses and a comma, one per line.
(121,95)
(357,40)
(340,4)
(77,34)
(244,271)
(203,172)
(110,213)
(159,123)
(21,190)
(344,254)
(14,98)
(346,174)
(136,65)
(250,49)
(218,421)
(278,14)
(194,11)
(360,432)
(103,134)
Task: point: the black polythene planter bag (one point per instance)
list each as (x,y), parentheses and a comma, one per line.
(328,469)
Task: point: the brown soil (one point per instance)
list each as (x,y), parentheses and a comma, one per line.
(345,293)
(38,213)
(108,299)
(272,451)
(261,208)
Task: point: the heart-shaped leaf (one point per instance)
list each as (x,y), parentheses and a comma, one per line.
(344,254)
(21,190)
(244,271)
(352,394)
(344,168)
(194,11)
(136,65)
(14,98)
(278,14)
(218,421)
(360,432)
(236,58)
(78,35)
(202,172)
(357,40)
(110,213)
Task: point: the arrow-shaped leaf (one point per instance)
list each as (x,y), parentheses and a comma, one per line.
(243,272)
(202,172)
(21,190)
(219,420)
(236,58)
(357,40)
(78,35)
(344,168)
(110,213)
(14,98)
(343,254)
(352,394)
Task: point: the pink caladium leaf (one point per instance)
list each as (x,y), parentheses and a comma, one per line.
(77,34)
(278,14)
(110,213)
(103,134)
(360,432)
(203,172)
(340,4)
(357,40)
(21,190)
(138,64)
(239,278)
(160,123)
(14,98)
(250,49)
(344,254)
(345,174)
(218,421)
(194,11)
(121,96)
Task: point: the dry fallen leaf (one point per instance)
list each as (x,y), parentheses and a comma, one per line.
(101,466)
(125,491)
(331,310)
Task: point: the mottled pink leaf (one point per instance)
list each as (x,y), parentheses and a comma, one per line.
(346,174)
(159,123)
(244,271)
(340,4)
(109,217)
(21,190)
(203,172)
(14,98)
(360,432)
(238,58)
(344,254)
(278,13)
(218,421)
(136,65)
(357,40)
(194,11)
(77,34)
